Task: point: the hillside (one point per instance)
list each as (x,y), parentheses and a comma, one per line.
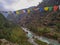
(11,33)
(42,23)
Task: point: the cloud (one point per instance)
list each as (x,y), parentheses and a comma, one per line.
(17,4)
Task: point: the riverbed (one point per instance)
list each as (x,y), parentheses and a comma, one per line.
(41,38)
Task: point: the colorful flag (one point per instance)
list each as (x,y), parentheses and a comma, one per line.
(46,8)
(59,7)
(50,8)
(41,9)
(17,12)
(28,11)
(55,8)
(24,11)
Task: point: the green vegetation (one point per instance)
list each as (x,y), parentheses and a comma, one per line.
(46,31)
(58,26)
(12,32)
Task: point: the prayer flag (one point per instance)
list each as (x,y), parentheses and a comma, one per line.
(17,12)
(46,8)
(24,11)
(55,8)
(50,8)
(28,11)
(41,9)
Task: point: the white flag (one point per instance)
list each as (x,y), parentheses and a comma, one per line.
(59,7)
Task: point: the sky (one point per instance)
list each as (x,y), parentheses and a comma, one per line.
(13,5)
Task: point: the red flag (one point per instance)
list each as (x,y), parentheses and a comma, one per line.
(55,8)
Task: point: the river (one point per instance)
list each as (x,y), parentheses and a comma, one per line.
(41,38)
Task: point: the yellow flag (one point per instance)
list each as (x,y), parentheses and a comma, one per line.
(17,12)
(28,11)
(46,8)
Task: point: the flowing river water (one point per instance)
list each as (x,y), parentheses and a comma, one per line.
(41,38)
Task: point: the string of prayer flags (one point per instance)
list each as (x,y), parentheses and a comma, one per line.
(55,8)
(41,9)
(46,8)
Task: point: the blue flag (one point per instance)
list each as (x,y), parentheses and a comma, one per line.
(41,9)
(14,12)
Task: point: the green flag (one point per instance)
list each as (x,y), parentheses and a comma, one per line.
(50,8)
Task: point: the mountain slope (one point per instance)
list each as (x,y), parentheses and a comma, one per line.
(12,32)
(42,23)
